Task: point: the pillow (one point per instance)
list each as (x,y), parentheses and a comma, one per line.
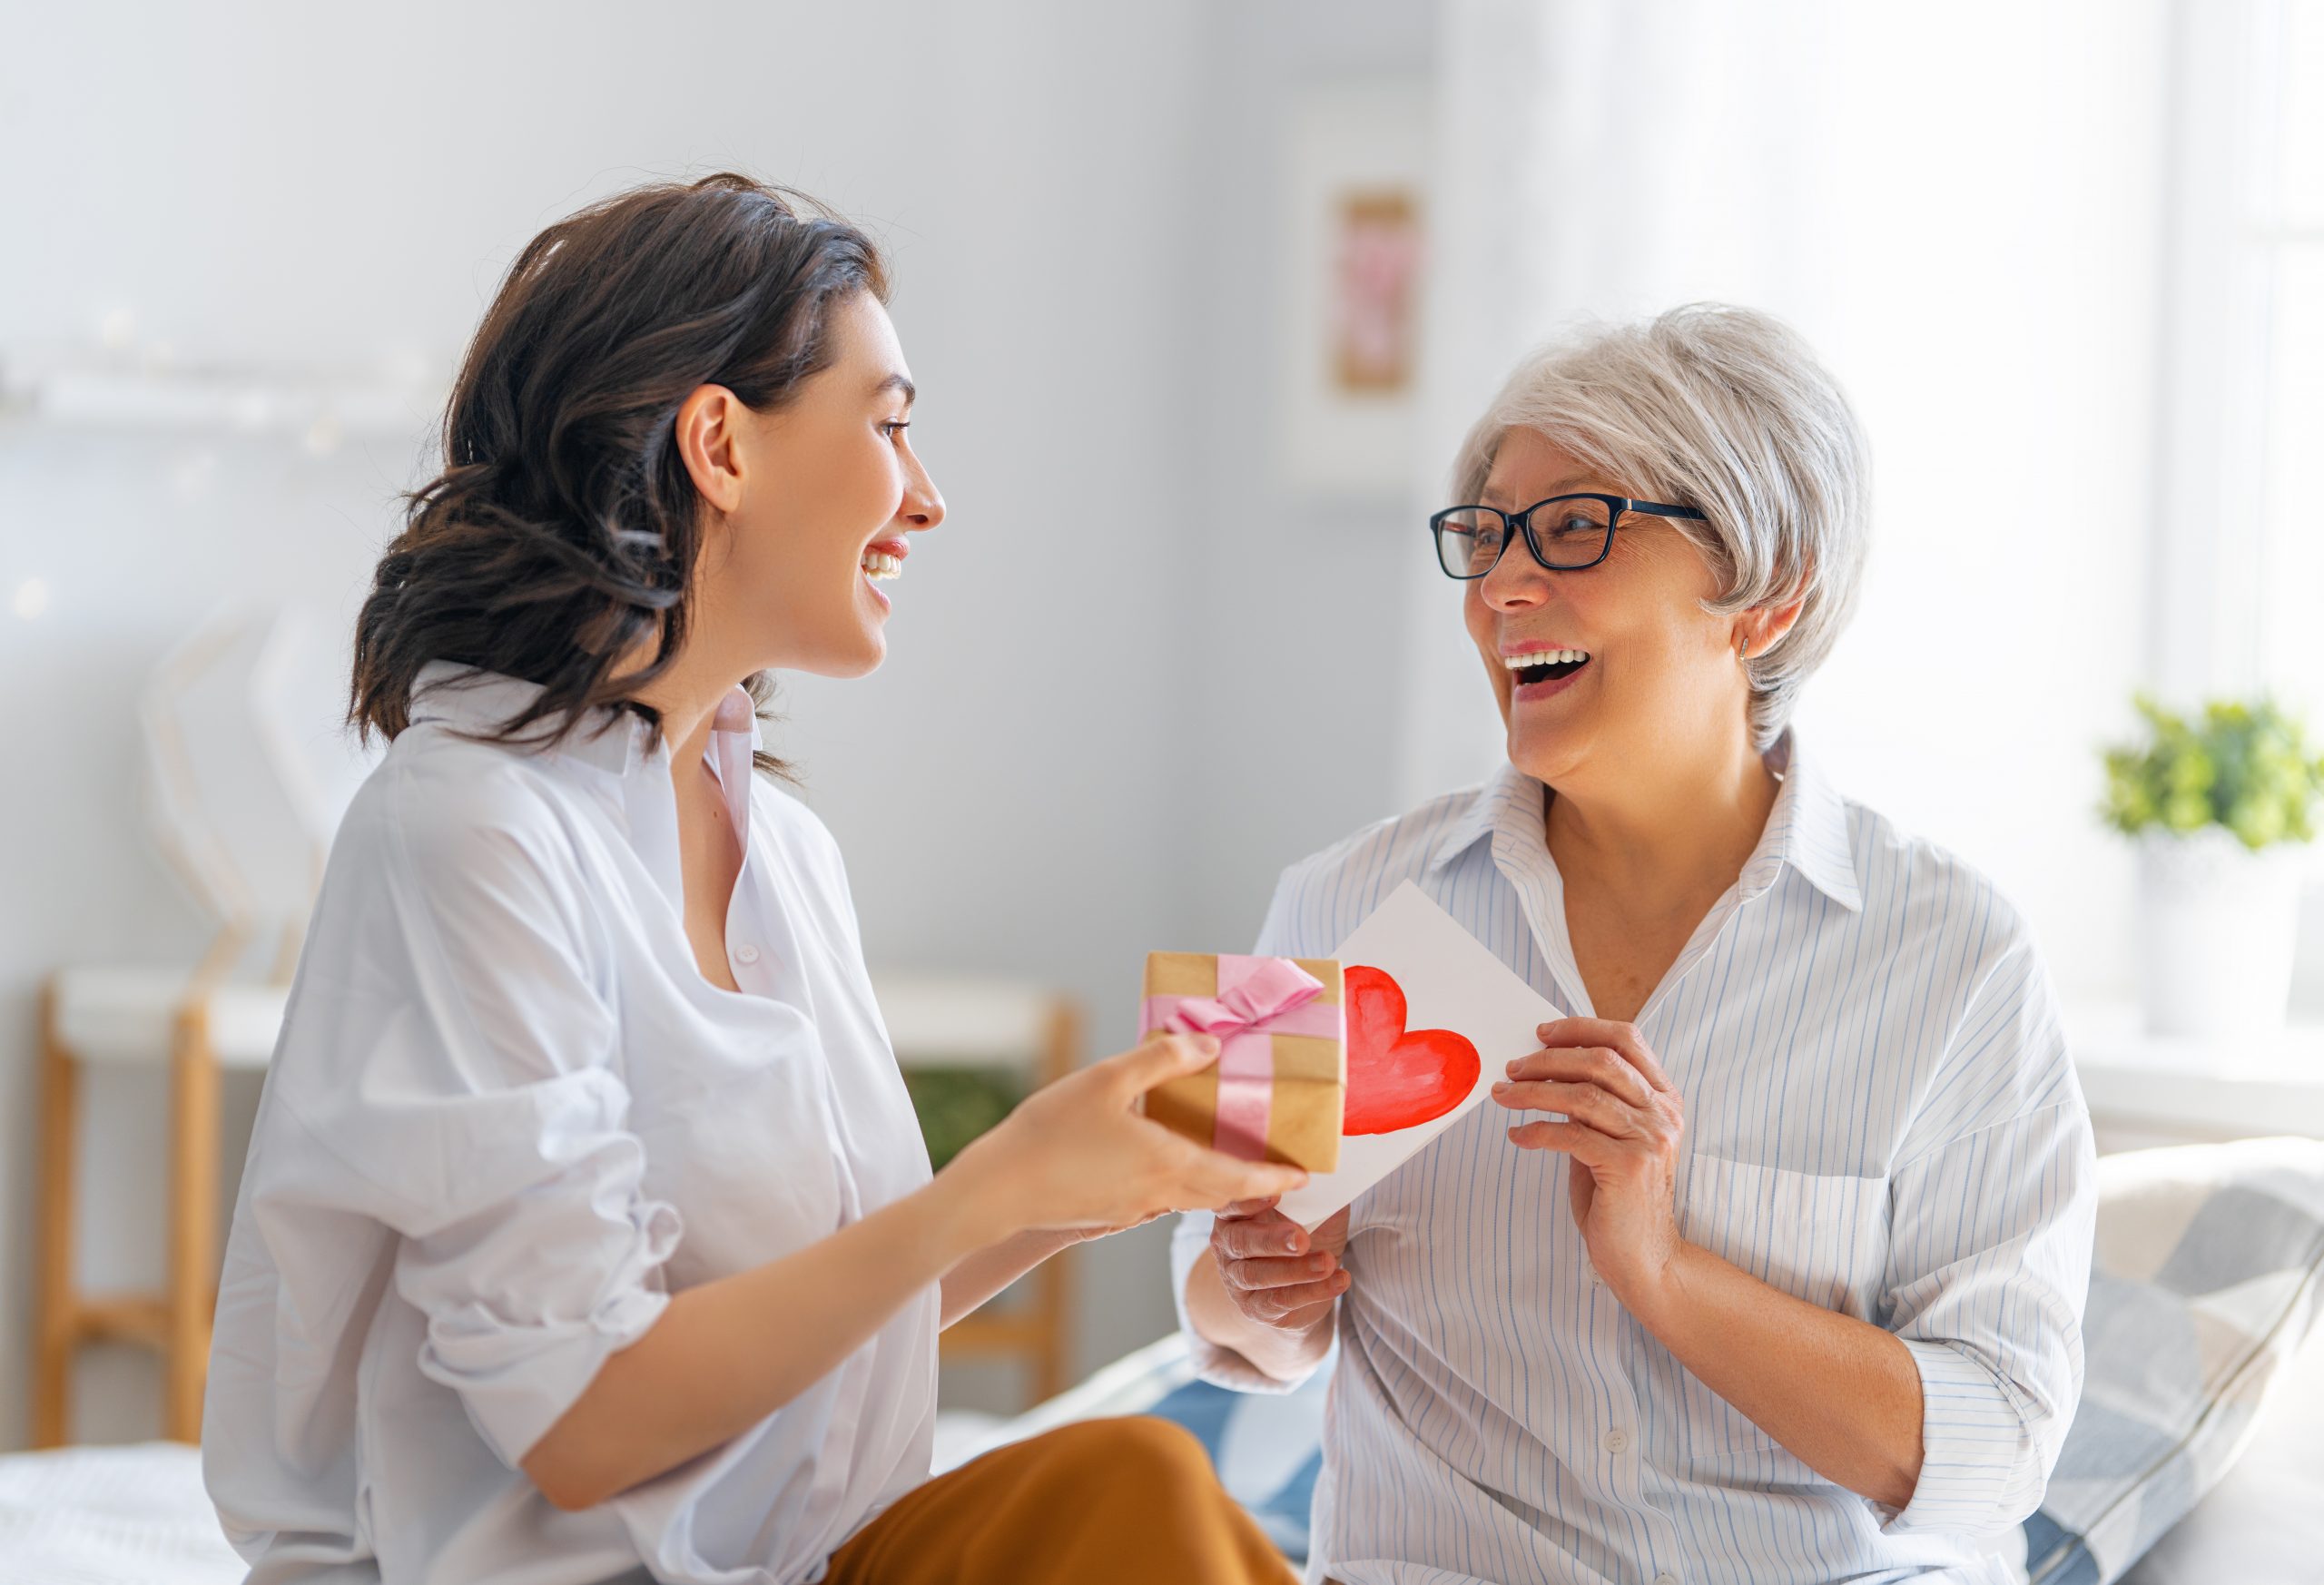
(1268,1448)
(2204,1284)
(2265,1522)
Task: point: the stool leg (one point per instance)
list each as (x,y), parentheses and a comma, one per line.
(57,1319)
(1053,1285)
(1053,1305)
(194,1210)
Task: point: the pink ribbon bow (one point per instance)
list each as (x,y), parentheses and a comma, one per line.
(1258,998)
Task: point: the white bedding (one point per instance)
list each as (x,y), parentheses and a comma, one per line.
(138,1515)
(134,1515)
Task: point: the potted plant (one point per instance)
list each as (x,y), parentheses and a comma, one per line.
(2222,808)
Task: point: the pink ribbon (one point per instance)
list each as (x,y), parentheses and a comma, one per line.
(1258,998)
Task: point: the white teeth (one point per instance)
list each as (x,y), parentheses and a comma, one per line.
(879,566)
(1544,658)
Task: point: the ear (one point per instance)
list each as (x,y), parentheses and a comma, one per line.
(1761,628)
(709,441)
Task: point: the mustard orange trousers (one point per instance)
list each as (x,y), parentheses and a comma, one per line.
(1130,1501)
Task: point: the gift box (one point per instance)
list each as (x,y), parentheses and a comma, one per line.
(1278,1089)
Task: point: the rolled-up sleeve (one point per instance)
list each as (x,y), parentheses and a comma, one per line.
(527,1290)
(1992,1221)
(1213,1364)
(488,1128)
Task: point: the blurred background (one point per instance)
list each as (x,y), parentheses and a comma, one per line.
(1199,295)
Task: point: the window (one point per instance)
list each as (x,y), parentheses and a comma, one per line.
(2239,563)
(2286,230)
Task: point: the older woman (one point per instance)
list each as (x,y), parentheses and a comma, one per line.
(1769,1263)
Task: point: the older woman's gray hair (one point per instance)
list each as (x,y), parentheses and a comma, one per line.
(1728,411)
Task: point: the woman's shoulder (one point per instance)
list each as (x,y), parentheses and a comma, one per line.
(1419,837)
(1908,878)
(1321,898)
(442,806)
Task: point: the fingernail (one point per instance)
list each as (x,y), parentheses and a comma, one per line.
(1512,1069)
(1206,1044)
(1502,1087)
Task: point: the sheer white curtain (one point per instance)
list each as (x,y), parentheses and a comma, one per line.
(1960,206)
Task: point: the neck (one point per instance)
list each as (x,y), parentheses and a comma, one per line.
(688,697)
(1679,826)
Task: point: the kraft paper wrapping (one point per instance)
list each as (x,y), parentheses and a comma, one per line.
(1303,1050)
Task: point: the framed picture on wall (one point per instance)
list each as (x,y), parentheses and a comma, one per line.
(1356,207)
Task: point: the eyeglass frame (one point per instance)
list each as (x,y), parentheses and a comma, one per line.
(1523,521)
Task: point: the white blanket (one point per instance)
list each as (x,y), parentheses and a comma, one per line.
(133,1515)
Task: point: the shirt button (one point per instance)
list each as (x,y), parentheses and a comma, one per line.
(746,953)
(1618,1440)
(1666,1579)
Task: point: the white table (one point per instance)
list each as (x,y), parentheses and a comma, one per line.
(2144,1090)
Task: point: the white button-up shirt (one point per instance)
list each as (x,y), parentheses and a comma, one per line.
(508,1116)
(1881,1118)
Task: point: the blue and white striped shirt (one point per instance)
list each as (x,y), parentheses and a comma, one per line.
(1881,1119)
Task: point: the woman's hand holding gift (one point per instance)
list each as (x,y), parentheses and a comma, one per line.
(1624,1124)
(1076,1156)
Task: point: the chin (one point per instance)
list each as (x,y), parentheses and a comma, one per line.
(861,663)
(858,658)
(1543,752)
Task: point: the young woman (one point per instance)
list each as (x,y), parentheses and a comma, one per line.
(586,1232)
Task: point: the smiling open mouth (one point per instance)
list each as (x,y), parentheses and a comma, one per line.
(1545,665)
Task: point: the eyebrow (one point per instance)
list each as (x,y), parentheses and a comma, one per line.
(1577,484)
(897,382)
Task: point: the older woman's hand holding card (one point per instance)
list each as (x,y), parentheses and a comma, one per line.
(1623,1122)
(1273,1270)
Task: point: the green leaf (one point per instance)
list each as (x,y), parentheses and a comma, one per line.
(2244,765)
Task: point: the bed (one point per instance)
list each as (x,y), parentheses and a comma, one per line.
(2187,1465)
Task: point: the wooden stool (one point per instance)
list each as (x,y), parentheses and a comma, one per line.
(232,805)
(967,1021)
(154,1019)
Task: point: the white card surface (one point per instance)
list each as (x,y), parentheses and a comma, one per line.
(1450,981)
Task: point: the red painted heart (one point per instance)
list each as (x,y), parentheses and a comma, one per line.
(1398,1078)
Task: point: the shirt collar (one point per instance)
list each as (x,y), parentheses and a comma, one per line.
(1508,797)
(1808,829)
(470,699)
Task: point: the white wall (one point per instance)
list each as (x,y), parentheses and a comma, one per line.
(1963,214)
(334,186)
(1318,619)
(1064,763)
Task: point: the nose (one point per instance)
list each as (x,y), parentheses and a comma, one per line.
(923,505)
(1517,581)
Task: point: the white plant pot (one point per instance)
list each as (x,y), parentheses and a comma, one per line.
(2216,925)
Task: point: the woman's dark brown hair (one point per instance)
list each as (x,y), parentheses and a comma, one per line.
(562,534)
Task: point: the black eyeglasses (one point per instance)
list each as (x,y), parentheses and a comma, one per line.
(1575,532)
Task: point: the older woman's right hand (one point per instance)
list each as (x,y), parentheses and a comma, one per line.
(1077,1155)
(1275,1271)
